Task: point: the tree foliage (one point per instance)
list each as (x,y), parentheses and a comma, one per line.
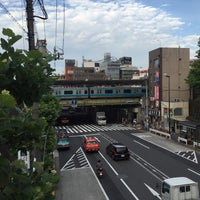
(24,73)
(25,78)
(193,78)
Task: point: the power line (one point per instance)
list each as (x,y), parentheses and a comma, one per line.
(13,18)
(59,55)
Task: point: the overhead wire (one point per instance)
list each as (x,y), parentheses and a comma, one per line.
(22,19)
(55,43)
(12,17)
(45,16)
(63,42)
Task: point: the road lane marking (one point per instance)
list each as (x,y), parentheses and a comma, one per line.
(102,189)
(141,144)
(193,171)
(85,135)
(149,167)
(156,194)
(121,179)
(143,163)
(129,189)
(108,163)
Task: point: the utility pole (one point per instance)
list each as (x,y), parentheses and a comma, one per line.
(30,24)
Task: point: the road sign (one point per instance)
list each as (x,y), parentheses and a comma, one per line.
(74,103)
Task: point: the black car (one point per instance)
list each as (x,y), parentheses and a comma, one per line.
(118,151)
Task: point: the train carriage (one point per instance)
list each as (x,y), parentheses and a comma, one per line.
(99,92)
(117,92)
(70,92)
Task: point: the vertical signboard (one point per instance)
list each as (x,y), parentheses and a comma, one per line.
(25,156)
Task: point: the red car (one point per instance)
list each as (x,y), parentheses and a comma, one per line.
(91,144)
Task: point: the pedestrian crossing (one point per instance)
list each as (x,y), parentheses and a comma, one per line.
(89,128)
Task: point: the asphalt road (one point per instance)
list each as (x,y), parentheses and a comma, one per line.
(152,160)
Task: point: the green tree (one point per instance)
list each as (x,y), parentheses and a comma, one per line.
(27,77)
(193,78)
(24,73)
(19,131)
(49,109)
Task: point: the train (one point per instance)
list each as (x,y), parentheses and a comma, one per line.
(98,92)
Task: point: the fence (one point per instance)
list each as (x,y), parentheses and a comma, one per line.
(161,133)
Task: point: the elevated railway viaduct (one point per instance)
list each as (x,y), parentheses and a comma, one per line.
(120,99)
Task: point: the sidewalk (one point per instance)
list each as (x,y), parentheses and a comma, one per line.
(185,151)
(169,144)
(79,184)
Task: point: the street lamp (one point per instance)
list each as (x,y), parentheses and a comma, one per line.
(168,76)
(146,103)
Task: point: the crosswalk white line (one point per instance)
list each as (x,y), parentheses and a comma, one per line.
(86,128)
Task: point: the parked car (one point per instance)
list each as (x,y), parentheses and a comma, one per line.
(118,151)
(91,144)
(62,133)
(63,143)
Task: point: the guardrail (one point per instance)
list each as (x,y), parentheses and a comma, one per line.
(161,133)
(196,144)
(181,139)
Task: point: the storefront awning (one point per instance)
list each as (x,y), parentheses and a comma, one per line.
(189,124)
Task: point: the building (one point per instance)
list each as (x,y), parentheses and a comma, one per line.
(126,68)
(89,71)
(70,65)
(111,66)
(168,90)
(126,72)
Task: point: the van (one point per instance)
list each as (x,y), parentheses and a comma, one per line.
(179,188)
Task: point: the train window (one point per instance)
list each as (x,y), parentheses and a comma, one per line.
(108,91)
(92,91)
(85,91)
(127,91)
(143,90)
(68,92)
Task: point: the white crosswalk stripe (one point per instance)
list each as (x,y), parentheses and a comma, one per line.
(86,128)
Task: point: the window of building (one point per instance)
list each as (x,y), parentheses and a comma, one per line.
(178,111)
(182,189)
(187,188)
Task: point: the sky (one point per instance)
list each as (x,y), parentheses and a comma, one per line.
(90,28)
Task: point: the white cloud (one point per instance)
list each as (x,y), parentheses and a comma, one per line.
(121,27)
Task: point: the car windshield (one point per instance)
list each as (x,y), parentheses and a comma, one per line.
(92,142)
(63,139)
(121,149)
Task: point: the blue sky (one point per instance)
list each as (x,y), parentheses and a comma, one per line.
(121,27)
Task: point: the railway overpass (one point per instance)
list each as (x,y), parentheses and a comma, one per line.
(116,108)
